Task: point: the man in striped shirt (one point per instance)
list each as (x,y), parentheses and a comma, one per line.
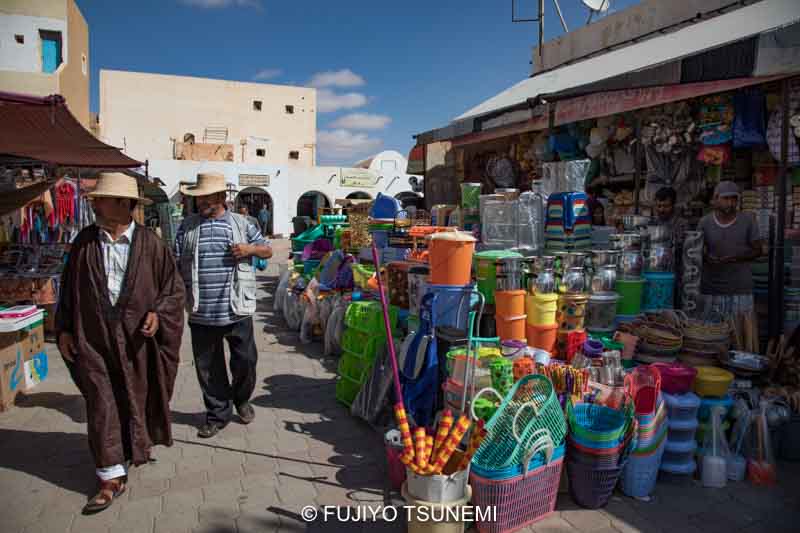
(210,255)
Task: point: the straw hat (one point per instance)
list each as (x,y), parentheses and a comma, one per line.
(117,185)
(207,183)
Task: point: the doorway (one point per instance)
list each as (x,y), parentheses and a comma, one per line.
(311,203)
(254,198)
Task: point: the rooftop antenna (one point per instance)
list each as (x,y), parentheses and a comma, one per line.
(540,19)
(596,6)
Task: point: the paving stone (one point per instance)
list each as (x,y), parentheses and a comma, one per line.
(141,524)
(186,501)
(586,520)
(97,522)
(188,481)
(145,507)
(193,465)
(553,524)
(229,491)
(225,473)
(160,470)
(254,519)
(255,464)
(147,488)
(210,513)
(176,522)
(56,524)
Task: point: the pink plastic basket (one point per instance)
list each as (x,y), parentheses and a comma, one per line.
(643,385)
(676,378)
(519,501)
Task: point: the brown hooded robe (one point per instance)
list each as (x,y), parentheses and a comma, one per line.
(126,379)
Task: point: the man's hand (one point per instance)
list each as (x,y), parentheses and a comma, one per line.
(242,251)
(150,324)
(66,345)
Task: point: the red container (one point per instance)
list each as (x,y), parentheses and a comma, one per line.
(397,470)
(644,385)
(676,378)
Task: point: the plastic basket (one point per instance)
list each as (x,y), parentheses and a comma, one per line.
(644,385)
(591,487)
(596,423)
(682,406)
(347,390)
(368,317)
(361,343)
(682,431)
(539,459)
(354,367)
(518,501)
(641,473)
(531,405)
(676,378)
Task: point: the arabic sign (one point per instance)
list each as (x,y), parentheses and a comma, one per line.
(357,178)
(253,180)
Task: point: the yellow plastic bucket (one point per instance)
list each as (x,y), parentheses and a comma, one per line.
(541,309)
(421,521)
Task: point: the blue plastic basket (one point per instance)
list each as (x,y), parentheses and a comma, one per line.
(516,470)
(641,473)
(597,423)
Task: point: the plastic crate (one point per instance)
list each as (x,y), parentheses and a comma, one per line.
(361,343)
(346,390)
(569,342)
(368,317)
(354,367)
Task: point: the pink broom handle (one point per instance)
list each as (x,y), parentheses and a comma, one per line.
(387,324)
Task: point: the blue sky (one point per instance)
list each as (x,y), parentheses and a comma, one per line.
(385,70)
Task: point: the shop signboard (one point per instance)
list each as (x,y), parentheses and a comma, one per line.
(357,178)
(253,180)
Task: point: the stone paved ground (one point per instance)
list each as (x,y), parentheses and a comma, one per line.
(302,449)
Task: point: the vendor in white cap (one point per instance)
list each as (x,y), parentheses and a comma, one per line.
(731,244)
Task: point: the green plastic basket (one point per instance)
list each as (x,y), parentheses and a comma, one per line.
(368,317)
(533,405)
(354,367)
(595,417)
(360,343)
(347,390)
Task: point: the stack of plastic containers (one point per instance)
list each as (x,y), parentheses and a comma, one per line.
(641,472)
(568,223)
(679,452)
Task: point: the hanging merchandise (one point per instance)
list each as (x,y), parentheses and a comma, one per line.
(716,120)
(419,370)
(750,122)
(775,127)
(502,171)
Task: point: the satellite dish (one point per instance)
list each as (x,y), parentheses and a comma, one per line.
(600,6)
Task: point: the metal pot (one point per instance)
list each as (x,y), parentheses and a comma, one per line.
(574,280)
(509,281)
(601,258)
(659,234)
(630,265)
(605,279)
(633,222)
(544,262)
(659,258)
(507,265)
(546,282)
(573,260)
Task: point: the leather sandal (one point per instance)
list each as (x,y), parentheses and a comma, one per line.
(109,491)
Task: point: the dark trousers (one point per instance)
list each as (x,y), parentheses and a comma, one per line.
(219,394)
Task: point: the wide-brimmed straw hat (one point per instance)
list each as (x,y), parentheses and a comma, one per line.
(117,185)
(207,183)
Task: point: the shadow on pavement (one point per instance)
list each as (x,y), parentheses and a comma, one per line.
(70,405)
(62,459)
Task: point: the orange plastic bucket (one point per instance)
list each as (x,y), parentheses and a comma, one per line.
(509,303)
(510,327)
(542,337)
(450,257)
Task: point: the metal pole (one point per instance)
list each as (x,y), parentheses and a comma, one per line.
(637,164)
(561,16)
(541,27)
(777,264)
(78,203)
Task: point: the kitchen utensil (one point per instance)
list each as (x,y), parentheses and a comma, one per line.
(630,266)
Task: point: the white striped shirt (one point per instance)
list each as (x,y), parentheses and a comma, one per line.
(115,259)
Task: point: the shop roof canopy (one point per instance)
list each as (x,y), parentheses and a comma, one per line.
(655,61)
(43,129)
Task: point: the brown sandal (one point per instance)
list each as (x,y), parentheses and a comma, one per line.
(109,491)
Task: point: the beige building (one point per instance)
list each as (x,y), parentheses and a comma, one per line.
(44,50)
(161,117)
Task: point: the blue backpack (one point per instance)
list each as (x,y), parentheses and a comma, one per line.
(419,375)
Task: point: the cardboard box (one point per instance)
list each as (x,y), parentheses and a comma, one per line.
(21,352)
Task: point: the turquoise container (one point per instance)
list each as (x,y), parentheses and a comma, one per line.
(659,291)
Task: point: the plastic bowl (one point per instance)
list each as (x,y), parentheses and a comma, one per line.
(712,381)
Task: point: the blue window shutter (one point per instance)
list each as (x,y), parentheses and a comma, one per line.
(49,56)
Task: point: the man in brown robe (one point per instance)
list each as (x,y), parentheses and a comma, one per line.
(120,322)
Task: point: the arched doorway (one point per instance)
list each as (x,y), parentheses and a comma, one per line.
(359,195)
(254,198)
(310,204)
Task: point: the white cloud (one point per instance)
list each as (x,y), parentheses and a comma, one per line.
(328,101)
(214,4)
(362,121)
(336,78)
(267,74)
(345,145)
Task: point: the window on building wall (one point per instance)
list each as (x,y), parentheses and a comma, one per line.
(84,63)
(261,152)
(290,110)
(51,50)
(294,154)
(256,105)
(20,39)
